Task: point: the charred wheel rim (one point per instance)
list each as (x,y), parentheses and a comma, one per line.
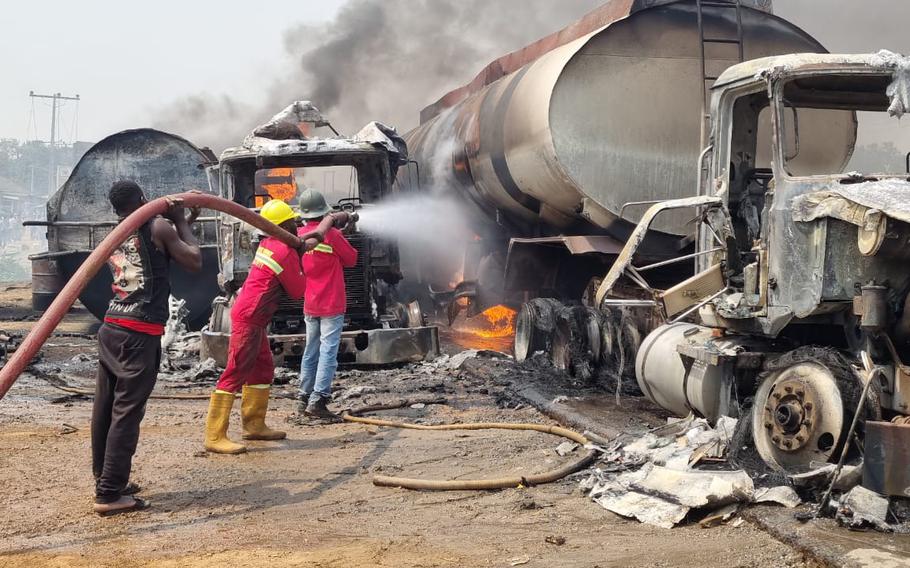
(620,340)
(573,347)
(524,330)
(798,416)
(534,327)
(595,342)
(560,355)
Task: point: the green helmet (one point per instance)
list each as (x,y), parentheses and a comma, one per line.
(312,205)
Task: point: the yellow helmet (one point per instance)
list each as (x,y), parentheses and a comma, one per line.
(277,211)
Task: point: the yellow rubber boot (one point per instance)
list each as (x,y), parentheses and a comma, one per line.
(253,408)
(216,425)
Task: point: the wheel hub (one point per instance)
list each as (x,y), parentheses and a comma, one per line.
(789,413)
(789,417)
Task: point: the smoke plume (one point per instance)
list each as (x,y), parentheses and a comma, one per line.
(848,26)
(377,60)
(386,59)
(206,120)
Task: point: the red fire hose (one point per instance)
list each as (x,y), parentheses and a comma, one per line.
(64,300)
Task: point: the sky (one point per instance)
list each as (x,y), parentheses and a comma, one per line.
(127,59)
(131,61)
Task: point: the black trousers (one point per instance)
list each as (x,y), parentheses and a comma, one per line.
(127,370)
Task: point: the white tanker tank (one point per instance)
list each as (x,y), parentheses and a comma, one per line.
(560,137)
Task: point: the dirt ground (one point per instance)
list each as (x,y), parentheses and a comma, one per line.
(309,500)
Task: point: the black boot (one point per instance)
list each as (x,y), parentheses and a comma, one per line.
(302,402)
(317,409)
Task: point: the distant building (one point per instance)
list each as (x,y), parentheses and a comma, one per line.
(17,202)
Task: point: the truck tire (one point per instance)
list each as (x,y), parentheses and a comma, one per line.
(803,408)
(576,341)
(534,327)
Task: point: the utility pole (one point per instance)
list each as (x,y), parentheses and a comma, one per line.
(52,166)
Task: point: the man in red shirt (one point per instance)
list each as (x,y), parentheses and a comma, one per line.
(323,308)
(276,268)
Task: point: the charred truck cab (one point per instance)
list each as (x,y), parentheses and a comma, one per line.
(800,292)
(279,160)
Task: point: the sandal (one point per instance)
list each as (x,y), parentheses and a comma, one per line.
(106,509)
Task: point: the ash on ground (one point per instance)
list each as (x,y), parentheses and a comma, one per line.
(683,471)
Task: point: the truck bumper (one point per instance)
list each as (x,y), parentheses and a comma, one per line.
(359,347)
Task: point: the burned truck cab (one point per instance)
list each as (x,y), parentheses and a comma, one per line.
(278,162)
(796,143)
(800,296)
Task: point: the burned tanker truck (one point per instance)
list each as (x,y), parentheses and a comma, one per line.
(299,149)
(79,216)
(662,192)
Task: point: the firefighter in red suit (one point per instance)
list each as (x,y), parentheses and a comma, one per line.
(276,268)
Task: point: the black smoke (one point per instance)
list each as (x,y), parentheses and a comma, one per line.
(377,60)
(387,59)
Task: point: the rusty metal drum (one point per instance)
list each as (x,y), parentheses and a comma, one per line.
(46,283)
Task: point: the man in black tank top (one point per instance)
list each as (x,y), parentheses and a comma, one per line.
(129,341)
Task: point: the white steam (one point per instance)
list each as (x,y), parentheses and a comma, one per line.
(419,218)
(431,231)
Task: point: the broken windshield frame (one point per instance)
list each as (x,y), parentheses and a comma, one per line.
(359,175)
(335,182)
(880,143)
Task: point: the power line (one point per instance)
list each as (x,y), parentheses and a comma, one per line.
(32,126)
(76,123)
(52,169)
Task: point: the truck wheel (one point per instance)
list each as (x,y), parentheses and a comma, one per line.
(607,340)
(220,320)
(534,327)
(576,341)
(619,346)
(803,408)
(414,317)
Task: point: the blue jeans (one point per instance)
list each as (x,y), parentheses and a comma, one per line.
(320,356)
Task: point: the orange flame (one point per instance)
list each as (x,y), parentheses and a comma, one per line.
(278,183)
(498,321)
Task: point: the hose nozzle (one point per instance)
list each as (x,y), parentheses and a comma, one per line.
(345,218)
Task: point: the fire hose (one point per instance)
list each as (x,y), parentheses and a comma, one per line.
(98,258)
(474,484)
(353,416)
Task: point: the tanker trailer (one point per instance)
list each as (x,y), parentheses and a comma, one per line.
(79,214)
(791,310)
(553,152)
